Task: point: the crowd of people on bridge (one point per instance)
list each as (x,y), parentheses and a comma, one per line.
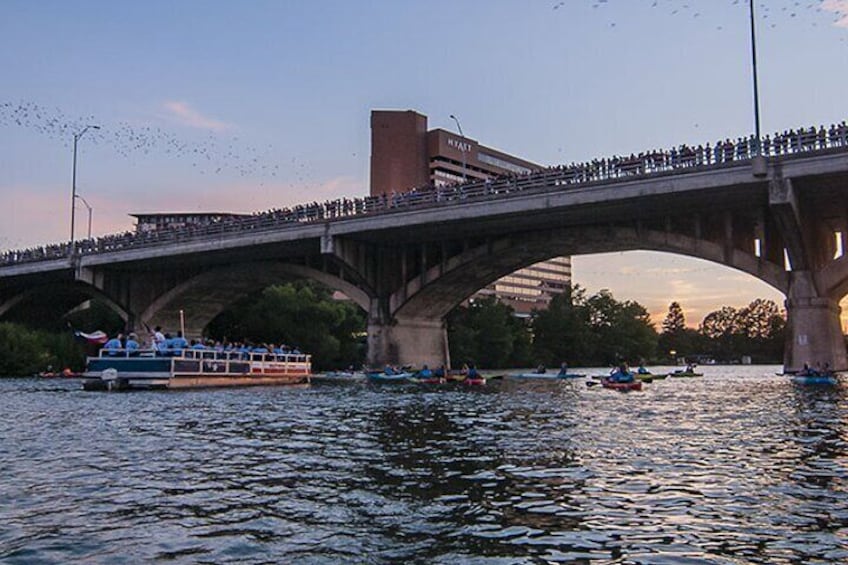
(607,169)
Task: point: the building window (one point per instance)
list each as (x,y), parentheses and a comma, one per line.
(498,162)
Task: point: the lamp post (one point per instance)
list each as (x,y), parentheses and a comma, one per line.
(759,146)
(462,147)
(87,205)
(759,167)
(77,137)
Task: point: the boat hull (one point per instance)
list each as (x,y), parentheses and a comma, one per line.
(814,379)
(131,373)
(613,385)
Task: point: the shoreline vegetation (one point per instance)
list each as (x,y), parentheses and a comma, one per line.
(581,329)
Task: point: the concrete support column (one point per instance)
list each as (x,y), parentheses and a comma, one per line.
(407,341)
(814,330)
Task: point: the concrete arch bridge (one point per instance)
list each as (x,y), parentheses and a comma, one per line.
(782,220)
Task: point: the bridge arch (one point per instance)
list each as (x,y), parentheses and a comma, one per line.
(204,296)
(84,289)
(439,291)
(833,279)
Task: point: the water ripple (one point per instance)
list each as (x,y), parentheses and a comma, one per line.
(733,468)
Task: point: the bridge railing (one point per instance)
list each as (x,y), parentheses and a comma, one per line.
(679,159)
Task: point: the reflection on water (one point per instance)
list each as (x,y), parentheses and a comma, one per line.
(738,467)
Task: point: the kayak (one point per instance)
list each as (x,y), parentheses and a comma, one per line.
(431,380)
(614,385)
(685,374)
(550,376)
(647,377)
(825,379)
(384,378)
(474,382)
(339,377)
(59,375)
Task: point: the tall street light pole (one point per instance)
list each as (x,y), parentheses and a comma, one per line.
(759,166)
(754,72)
(454,118)
(77,137)
(87,205)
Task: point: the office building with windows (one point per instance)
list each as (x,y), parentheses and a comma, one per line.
(406,155)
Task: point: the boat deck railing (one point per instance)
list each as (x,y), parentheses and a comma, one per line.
(207,355)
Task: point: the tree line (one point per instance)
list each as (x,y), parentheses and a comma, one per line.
(579,328)
(598,330)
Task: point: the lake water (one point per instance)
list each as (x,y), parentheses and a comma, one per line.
(740,466)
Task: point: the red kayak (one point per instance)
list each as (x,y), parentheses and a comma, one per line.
(65,374)
(632,385)
(473,382)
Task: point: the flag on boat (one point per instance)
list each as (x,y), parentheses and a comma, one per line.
(97,337)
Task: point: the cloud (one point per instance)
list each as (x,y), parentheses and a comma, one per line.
(186,115)
(838,7)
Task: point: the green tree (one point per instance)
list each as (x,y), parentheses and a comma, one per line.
(675,321)
(594,330)
(722,332)
(24,351)
(486,332)
(675,335)
(762,328)
(756,330)
(623,330)
(561,331)
(301,314)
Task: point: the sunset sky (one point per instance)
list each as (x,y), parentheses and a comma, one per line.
(226,106)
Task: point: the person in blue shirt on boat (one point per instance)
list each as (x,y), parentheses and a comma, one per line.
(563,369)
(114,345)
(425,372)
(472,372)
(440,372)
(389,370)
(132,345)
(244,351)
(175,345)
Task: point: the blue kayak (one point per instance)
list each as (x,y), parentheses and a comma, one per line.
(814,379)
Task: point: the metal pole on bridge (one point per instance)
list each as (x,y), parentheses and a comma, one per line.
(754,72)
(464,176)
(88,206)
(77,137)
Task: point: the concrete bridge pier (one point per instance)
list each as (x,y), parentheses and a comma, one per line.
(814,330)
(412,341)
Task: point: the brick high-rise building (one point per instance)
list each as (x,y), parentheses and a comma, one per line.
(405,155)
